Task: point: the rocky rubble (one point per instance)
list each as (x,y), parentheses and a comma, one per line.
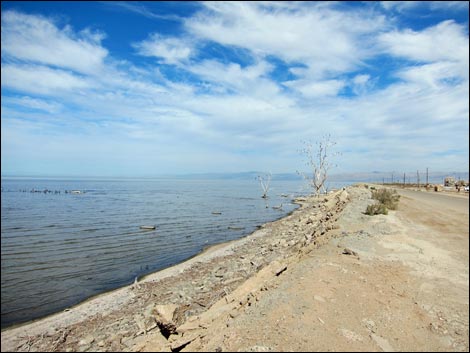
(165,311)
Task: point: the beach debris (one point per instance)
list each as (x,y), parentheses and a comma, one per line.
(87,340)
(164,314)
(278,268)
(351,335)
(347,251)
(135,285)
(382,343)
(369,324)
(177,343)
(235,228)
(319,298)
(148,227)
(264,182)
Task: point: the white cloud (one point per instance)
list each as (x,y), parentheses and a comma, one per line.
(314,89)
(361,84)
(41,80)
(405,6)
(250,80)
(440,53)
(171,50)
(435,74)
(37,39)
(33,103)
(326,40)
(445,41)
(361,79)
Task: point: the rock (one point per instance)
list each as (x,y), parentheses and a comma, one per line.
(382,343)
(347,251)
(87,340)
(319,298)
(369,324)
(350,335)
(83,348)
(164,314)
(178,342)
(256,349)
(278,268)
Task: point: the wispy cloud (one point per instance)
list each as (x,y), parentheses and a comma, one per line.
(139,8)
(37,39)
(406,6)
(169,50)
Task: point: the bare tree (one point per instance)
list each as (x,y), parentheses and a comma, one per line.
(318,160)
(264,182)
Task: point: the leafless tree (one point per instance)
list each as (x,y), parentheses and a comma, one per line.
(264,181)
(318,160)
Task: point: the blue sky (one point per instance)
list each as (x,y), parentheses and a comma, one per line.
(148,88)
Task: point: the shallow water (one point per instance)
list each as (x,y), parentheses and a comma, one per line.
(59,249)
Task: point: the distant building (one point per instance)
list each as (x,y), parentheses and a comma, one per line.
(449,181)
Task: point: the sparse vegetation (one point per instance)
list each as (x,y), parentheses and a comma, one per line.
(264,181)
(318,161)
(376,208)
(387,200)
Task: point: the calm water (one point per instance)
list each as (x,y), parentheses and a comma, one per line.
(59,249)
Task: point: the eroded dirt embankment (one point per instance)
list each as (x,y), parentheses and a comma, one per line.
(388,283)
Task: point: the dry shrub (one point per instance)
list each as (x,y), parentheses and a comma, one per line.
(376,208)
(387,200)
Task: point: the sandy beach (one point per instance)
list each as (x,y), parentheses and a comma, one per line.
(326,277)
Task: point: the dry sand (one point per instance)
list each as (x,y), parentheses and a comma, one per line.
(326,278)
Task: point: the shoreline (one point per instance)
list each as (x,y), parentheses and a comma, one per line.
(152,275)
(193,285)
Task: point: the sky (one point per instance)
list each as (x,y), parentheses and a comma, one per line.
(151,88)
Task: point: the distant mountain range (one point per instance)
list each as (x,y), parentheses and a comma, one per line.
(375,176)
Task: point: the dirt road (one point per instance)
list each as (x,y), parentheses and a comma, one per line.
(404,286)
(454,201)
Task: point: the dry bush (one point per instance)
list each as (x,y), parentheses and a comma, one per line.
(376,208)
(387,198)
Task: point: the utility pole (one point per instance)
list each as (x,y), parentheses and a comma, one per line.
(427,180)
(417,173)
(404,179)
(392,177)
